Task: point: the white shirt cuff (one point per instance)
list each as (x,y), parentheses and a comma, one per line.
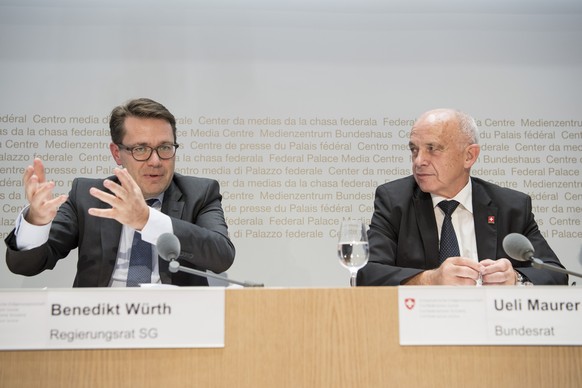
(158,223)
(29,236)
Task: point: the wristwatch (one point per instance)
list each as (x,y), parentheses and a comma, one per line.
(521,280)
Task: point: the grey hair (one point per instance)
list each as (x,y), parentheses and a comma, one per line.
(468,126)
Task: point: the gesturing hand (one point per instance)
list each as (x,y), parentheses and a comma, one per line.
(128,205)
(43,205)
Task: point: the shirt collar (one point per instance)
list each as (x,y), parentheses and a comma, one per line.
(464,197)
(160,198)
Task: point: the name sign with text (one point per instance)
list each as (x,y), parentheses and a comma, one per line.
(102,318)
(539,315)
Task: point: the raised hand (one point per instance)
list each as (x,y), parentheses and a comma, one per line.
(128,205)
(43,205)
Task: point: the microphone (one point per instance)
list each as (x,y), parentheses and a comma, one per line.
(519,248)
(168,246)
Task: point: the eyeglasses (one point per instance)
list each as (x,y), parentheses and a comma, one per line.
(141,153)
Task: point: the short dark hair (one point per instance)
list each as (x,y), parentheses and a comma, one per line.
(140,108)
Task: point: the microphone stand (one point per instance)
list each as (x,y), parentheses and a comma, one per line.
(174,267)
(539,264)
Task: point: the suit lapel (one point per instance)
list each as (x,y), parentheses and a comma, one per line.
(110,235)
(427,227)
(485,218)
(110,231)
(173,207)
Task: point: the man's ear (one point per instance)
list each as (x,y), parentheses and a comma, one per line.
(471,154)
(115,152)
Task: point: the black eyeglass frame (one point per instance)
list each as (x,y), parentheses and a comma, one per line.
(151,150)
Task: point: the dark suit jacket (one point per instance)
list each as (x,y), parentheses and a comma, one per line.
(194,204)
(404,239)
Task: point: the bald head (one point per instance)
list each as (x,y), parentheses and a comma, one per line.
(453,120)
(443,143)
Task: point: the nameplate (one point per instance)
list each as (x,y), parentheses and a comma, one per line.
(112,318)
(538,315)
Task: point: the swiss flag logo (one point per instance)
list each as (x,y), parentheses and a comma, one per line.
(409,303)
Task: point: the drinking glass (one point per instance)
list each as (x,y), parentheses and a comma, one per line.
(352,247)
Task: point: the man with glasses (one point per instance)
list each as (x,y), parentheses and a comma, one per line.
(111,220)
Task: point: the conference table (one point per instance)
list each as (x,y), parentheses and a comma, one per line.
(301,337)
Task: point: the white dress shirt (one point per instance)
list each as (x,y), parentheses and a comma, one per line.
(462,219)
(30,236)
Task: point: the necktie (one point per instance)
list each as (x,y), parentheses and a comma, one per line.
(140,261)
(449,247)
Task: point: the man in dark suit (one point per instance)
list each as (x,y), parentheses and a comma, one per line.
(407,220)
(101,216)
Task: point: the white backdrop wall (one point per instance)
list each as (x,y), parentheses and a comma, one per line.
(299,109)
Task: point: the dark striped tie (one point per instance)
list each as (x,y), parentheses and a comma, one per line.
(140,261)
(449,246)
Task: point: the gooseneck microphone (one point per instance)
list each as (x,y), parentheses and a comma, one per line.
(518,247)
(168,246)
